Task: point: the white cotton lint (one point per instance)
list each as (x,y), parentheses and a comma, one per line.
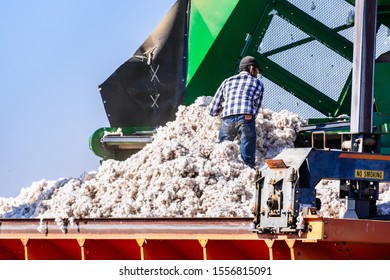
(184,172)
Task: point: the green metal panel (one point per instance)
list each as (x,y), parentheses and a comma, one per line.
(207,18)
(382,122)
(382,88)
(381,118)
(383,2)
(219,58)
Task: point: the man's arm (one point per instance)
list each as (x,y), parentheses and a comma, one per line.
(215,106)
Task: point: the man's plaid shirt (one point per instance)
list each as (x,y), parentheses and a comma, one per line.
(238,95)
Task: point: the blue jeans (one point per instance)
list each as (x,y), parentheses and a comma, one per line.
(232,126)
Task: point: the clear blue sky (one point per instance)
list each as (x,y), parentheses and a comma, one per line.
(53,57)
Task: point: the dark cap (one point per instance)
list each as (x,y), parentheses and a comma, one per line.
(248,61)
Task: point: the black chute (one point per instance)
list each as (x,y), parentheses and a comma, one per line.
(147,89)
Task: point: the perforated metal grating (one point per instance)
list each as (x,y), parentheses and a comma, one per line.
(307,58)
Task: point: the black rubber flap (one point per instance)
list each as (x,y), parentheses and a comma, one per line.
(147,89)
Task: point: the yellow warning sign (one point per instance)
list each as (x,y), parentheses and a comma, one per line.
(370,174)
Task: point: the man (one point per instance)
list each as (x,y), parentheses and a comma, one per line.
(237,101)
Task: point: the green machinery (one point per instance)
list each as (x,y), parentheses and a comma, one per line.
(305,49)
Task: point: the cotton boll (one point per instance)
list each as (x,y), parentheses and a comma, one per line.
(383,204)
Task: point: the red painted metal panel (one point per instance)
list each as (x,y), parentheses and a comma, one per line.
(11,249)
(192,239)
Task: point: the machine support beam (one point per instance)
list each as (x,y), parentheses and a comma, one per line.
(363,66)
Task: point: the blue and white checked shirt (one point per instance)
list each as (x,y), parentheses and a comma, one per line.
(237,95)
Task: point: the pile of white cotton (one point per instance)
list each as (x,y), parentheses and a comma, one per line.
(184,172)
